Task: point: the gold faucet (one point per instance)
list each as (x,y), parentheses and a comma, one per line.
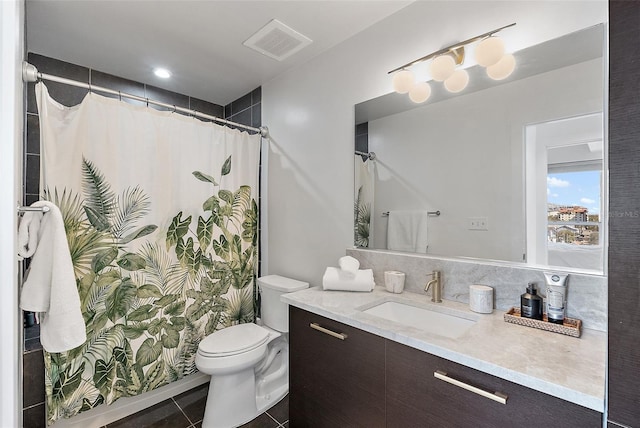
(436,291)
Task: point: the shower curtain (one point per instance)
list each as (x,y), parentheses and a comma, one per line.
(161,217)
(363,222)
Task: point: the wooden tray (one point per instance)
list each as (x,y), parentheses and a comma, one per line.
(571,326)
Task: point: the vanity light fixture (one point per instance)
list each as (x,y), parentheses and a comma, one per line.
(420,92)
(490,53)
(403,81)
(503,68)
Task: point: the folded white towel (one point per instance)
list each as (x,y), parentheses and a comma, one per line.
(335,279)
(50,285)
(349,266)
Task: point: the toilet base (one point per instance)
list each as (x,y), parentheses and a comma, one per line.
(266,402)
(224,409)
(221,413)
(238,398)
(240,393)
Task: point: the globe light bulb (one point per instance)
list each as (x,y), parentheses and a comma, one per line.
(442,67)
(489,51)
(457,82)
(420,92)
(403,81)
(503,68)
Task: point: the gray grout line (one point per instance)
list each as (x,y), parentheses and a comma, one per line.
(36,405)
(182,411)
(276,421)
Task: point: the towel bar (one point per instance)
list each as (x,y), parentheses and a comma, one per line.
(27,209)
(431,213)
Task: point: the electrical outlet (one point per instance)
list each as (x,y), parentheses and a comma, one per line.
(483,223)
(478,223)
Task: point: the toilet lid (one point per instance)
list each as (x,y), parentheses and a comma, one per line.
(234,340)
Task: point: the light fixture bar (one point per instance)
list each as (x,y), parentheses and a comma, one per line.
(452,48)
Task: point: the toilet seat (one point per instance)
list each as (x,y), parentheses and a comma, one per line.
(233,340)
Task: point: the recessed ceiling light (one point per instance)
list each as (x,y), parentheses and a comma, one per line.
(163,73)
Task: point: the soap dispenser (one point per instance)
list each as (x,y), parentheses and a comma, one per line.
(531,303)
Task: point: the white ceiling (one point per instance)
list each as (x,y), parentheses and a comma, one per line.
(199,41)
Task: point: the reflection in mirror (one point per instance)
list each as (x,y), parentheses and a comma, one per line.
(465,154)
(564,174)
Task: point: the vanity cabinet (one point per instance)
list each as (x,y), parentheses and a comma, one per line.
(341,376)
(336,374)
(417,398)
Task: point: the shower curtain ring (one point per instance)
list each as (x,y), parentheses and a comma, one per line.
(175,109)
(119,96)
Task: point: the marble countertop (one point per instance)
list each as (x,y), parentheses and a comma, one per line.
(562,366)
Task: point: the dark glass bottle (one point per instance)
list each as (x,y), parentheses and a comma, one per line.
(531,303)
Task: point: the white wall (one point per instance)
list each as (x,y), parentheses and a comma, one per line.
(456,156)
(11,52)
(310,113)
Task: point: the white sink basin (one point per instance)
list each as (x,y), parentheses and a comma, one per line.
(440,323)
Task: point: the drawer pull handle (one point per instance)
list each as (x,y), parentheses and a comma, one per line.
(317,326)
(495,396)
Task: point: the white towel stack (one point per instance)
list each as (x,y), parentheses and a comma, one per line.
(348,277)
(50,286)
(349,266)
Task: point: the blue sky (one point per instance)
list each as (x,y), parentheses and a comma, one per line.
(575,188)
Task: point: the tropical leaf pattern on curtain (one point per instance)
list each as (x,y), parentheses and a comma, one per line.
(362,220)
(148,296)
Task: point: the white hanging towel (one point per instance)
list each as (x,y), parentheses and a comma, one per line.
(50,285)
(407,231)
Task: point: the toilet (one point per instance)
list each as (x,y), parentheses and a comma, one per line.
(249,363)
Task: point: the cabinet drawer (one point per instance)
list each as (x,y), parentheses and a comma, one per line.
(335,379)
(415,397)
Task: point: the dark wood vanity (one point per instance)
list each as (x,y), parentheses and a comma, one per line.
(333,381)
(341,376)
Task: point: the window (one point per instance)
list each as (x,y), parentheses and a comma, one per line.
(565,193)
(573,207)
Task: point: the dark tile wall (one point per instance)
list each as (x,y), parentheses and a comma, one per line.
(362,137)
(245,110)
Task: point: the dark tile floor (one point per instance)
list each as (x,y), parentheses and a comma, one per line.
(187,410)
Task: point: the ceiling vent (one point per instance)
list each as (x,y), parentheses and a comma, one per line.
(277,40)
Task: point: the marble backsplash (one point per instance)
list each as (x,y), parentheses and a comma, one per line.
(586,295)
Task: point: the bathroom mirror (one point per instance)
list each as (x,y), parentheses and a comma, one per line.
(462,161)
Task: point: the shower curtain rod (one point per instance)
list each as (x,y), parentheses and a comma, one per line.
(31,74)
(370,155)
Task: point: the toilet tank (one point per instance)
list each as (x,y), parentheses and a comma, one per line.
(274,313)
